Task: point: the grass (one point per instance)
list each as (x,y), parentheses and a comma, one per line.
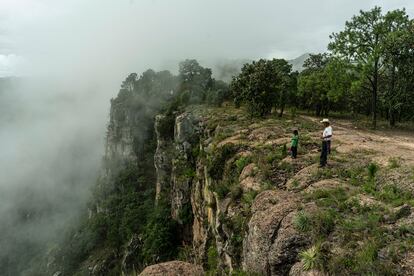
(277,155)
(312,258)
(335,197)
(295,183)
(360,231)
(394,162)
(248,197)
(393,195)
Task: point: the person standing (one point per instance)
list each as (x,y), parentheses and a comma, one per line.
(294,144)
(326,142)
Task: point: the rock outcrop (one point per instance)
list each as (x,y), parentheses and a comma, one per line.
(183,172)
(272,243)
(173,268)
(119,145)
(162,157)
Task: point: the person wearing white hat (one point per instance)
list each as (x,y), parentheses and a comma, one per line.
(326,142)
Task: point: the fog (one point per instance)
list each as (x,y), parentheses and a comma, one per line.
(71,56)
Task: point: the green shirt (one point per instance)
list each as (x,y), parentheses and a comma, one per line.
(295,140)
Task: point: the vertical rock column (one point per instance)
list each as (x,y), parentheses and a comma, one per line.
(162,159)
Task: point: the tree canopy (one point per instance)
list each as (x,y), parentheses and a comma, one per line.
(366,42)
(262,85)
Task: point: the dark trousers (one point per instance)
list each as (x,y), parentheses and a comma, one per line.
(294,151)
(329,146)
(324,153)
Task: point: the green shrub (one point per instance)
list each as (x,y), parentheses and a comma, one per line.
(329,197)
(236,192)
(365,258)
(372,170)
(323,223)
(249,197)
(189,173)
(222,189)
(159,236)
(241,163)
(271,157)
(302,222)
(283,151)
(166,126)
(370,186)
(295,183)
(186,214)
(186,254)
(218,160)
(212,258)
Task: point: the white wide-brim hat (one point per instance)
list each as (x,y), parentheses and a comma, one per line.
(325,121)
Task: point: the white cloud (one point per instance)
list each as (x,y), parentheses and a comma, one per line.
(9,65)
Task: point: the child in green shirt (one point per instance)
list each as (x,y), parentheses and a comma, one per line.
(294,144)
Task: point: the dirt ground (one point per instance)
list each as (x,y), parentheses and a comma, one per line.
(384,145)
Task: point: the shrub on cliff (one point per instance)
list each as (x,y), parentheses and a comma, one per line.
(160,236)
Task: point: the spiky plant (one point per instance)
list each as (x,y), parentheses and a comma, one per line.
(302,222)
(312,258)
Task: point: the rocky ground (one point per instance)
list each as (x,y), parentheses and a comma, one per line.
(257,211)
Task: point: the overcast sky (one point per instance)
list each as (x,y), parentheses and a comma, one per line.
(129,35)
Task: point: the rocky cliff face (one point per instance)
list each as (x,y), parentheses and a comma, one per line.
(193,169)
(119,146)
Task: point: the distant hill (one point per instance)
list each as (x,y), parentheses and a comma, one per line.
(297,63)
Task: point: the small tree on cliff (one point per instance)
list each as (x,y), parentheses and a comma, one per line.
(261,85)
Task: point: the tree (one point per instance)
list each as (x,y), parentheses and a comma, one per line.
(261,85)
(218,93)
(325,84)
(362,44)
(129,83)
(339,75)
(313,85)
(286,85)
(195,80)
(399,61)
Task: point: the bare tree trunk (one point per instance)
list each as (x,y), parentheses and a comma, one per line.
(281,110)
(375,95)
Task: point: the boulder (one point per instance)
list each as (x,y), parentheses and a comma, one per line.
(272,243)
(297,270)
(302,179)
(173,268)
